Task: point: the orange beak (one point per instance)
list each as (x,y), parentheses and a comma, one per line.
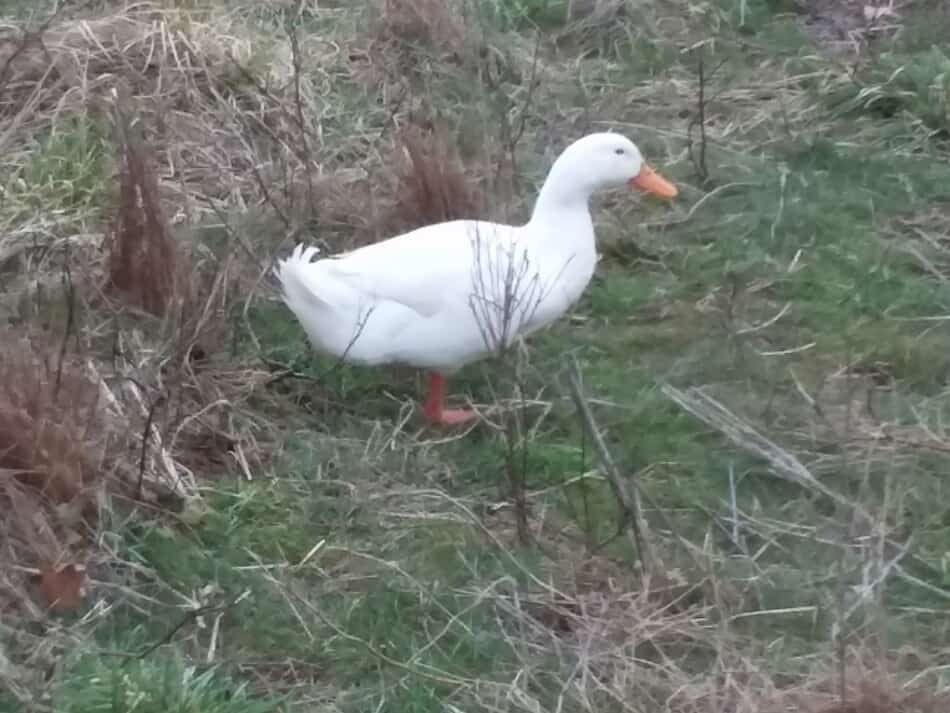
(650,181)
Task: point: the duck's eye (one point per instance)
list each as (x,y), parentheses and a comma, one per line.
(619,152)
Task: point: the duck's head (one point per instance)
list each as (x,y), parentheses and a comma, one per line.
(609,160)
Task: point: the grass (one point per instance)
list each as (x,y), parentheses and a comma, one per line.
(165,684)
(277,531)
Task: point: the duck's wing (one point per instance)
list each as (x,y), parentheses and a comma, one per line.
(424,270)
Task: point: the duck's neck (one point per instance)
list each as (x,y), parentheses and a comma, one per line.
(561,197)
(562,223)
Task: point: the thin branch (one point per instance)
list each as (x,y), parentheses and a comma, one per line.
(306,149)
(631,510)
(146,432)
(70,294)
(699,162)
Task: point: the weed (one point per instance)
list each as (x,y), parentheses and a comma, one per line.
(143,255)
(427,24)
(912,87)
(433,187)
(164,682)
(51,427)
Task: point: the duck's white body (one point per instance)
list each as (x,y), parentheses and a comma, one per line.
(445,295)
(441,296)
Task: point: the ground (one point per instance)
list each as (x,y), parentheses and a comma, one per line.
(259,528)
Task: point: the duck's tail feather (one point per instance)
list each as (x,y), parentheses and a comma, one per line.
(296,277)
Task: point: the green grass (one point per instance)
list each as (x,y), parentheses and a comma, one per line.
(36,12)
(64,171)
(910,88)
(161,684)
(364,568)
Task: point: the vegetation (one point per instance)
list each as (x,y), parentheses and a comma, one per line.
(719,485)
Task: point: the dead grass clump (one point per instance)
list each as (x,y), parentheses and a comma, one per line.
(617,645)
(433,185)
(188,72)
(851,25)
(56,68)
(59,48)
(206,383)
(143,259)
(49,424)
(925,237)
(436,25)
(882,695)
(424,181)
(593,24)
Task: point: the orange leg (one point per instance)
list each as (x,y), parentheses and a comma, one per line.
(434,407)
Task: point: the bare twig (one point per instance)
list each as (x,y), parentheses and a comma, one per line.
(699,119)
(631,511)
(511,137)
(507,293)
(146,435)
(70,296)
(306,149)
(714,414)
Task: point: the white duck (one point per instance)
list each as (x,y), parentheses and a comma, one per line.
(445,295)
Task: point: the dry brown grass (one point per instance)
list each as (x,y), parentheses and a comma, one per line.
(55,443)
(433,185)
(62,68)
(877,693)
(431,25)
(180,94)
(144,264)
(851,25)
(205,110)
(51,426)
(418,178)
(185,93)
(411,40)
(925,236)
